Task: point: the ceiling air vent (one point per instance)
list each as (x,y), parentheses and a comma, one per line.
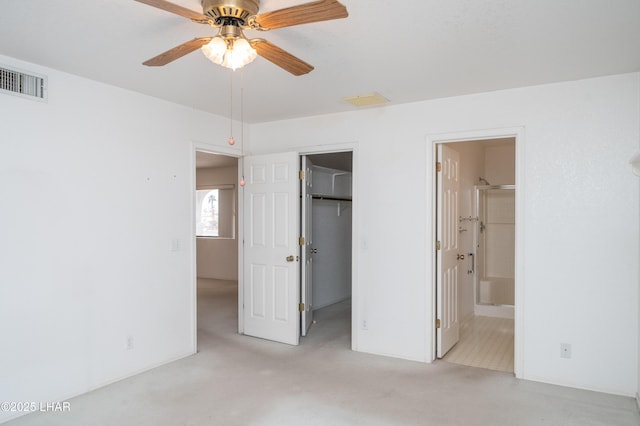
(22,84)
(367,100)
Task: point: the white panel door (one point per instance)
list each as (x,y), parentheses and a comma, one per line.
(271,251)
(448,184)
(307,250)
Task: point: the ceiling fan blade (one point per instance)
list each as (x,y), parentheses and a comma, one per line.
(322,10)
(177,52)
(281,58)
(177,9)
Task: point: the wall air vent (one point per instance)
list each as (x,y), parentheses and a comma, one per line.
(19,83)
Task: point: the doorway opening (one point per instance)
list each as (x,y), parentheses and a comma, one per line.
(326,222)
(216,245)
(276,288)
(475,256)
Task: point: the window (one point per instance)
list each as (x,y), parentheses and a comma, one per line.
(215,212)
(208,214)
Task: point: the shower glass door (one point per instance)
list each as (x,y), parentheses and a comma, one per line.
(495,245)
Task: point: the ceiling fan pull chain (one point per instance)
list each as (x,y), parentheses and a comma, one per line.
(232,141)
(242,181)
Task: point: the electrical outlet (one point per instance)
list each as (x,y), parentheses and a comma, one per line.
(129,343)
(365,326)
(565,350)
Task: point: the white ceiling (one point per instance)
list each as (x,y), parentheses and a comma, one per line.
(405,50)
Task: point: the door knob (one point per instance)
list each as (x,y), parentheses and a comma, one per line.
(314,251)
(460,257)
(292,258)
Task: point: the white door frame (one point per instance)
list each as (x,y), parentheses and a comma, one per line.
(478,135)
(217,150)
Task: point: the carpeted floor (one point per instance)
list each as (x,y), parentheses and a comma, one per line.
(239,380)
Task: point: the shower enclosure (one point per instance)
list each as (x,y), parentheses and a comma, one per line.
(495,248)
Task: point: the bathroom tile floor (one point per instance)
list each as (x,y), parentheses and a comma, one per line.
(485,342)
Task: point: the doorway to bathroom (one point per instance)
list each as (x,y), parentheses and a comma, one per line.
(475,256)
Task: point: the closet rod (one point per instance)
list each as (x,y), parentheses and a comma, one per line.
(324,197)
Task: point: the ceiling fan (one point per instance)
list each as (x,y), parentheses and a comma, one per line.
(230,47)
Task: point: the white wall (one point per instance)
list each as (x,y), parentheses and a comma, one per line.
(580,200)
(332,263)
(96,188)
(217,258)
(499,164)
(331,232)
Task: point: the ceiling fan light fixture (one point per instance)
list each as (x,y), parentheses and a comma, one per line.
(215,50)
(230,53)
(234,16)
(239,54)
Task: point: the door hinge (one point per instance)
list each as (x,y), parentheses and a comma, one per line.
(301,241)
(437,323)
(438,166)
(437,245)
(301,307)
(301,174)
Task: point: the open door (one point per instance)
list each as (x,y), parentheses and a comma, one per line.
(307,251)
(447,255)
(271,289)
